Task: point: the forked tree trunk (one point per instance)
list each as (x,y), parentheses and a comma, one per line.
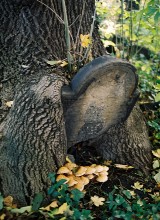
(33,133)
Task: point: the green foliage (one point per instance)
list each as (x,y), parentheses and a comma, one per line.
(1,201)
(121,204)
(69,201)
(37,202)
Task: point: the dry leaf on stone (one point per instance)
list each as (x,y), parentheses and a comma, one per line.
(9,104)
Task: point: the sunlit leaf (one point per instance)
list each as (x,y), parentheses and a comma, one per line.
(52,205)
(97,201)
(54,62)
(85,40)
(109,43)
(64,63)
(139,202)
(107,162)
(157,177)
(157,97)
(156,153)
(9,104)
(137,185)
(3,216)
(124,167)
(22,210)
(156,164)
(63,208)
(157,86)
(133,194)
(8,201)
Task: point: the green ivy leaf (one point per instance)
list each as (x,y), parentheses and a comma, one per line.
(127,194)
(60,183)
(1,201)
(37,201)
(51,190)
(77,195)
(158,135)
(52,177)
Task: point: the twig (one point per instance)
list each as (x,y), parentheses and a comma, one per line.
(58,17)
(67,34)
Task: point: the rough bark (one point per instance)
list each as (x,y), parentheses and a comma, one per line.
(33,139)
(30,34)
(127,142)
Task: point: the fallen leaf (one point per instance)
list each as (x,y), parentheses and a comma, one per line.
(97,201)
(156,153)
(52,205)
(107,162)
(133,194)
(63,208)
(2,217)
(68,160)
(156,164)
(158,185)
(137,185)
(157,177)
(54,62)
(123,166)
(8,201)
(22,210)
(64,63)
(9,104)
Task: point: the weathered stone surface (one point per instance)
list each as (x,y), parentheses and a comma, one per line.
(102,94)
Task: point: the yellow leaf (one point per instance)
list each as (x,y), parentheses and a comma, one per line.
(139,202)
(8,201)
(54,62)
(63,208)
(137,185)
(64,63)
(109,43)
(9,104)
(85,40)
(122,166)
(2,217)
(52,205)
(97,201)
(132,193)
(158,185)
(156,153)
(107,162)
(68,160)
(148,190)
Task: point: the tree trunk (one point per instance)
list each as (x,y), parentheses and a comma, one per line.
(34,141)
(33,136)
